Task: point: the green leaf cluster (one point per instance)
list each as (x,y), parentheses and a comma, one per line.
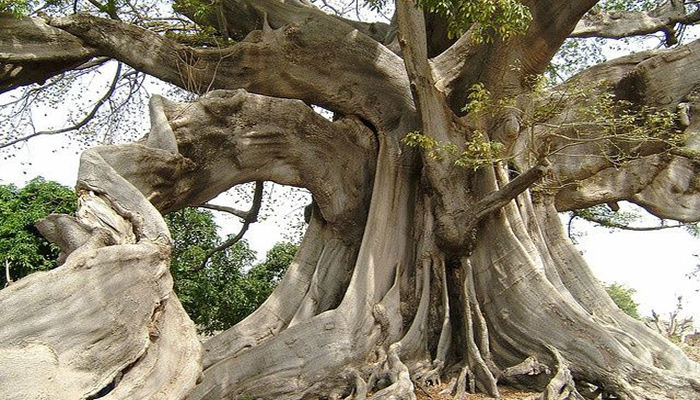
(627,5)
(488,18)
(15,8)
(477,151)
(480,100)
(605,217)
(622,296)
(21,244)
(197,8)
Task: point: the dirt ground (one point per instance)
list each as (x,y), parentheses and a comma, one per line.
(433,393)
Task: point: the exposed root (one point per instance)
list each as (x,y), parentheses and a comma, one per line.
(561,386)
(430,377)
(360,392)
(445,340)
(481,331)
(402,387)
(450,387)
(529,366)
(461,392)
(480,375)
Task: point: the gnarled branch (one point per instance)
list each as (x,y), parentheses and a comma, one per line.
(622,24)
(32,51)
(260,63)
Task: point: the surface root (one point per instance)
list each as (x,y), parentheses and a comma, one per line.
(402,387)
(561,386)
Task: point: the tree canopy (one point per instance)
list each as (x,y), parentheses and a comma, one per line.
(231,285)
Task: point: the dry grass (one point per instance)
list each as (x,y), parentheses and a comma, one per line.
(693,352)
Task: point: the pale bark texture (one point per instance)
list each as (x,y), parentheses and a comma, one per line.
(413,271)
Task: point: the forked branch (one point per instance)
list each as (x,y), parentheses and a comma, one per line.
(248,217)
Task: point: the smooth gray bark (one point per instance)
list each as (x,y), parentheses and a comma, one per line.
(412,270)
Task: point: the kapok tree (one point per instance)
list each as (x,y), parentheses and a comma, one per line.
(434,248)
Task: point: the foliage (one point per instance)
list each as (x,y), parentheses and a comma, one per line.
(605,217)
(222,293)
(574,56)
(477,151)
(487,18)
(21,244)
(262,279)
(198,8)
(622,129)
(477,98)
(622,296)
(627,5)
(16,8)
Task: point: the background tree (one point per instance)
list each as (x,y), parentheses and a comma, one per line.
(231,286)
(434,248)
(622,296)
(675,326)
(22,249)
(216,297)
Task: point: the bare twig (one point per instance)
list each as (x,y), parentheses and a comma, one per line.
(82,122)
(248,217)
(239,213)
(616,225)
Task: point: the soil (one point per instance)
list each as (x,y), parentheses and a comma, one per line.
(433,393)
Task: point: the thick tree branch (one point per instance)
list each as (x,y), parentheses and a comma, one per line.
(651,173)
(622,24)
(435,116)
(32,51)
(511,64)
(615,225)
(245,16)
(496,200)
(233,137)
(261,64)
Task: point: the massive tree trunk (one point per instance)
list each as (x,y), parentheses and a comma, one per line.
(412,269)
